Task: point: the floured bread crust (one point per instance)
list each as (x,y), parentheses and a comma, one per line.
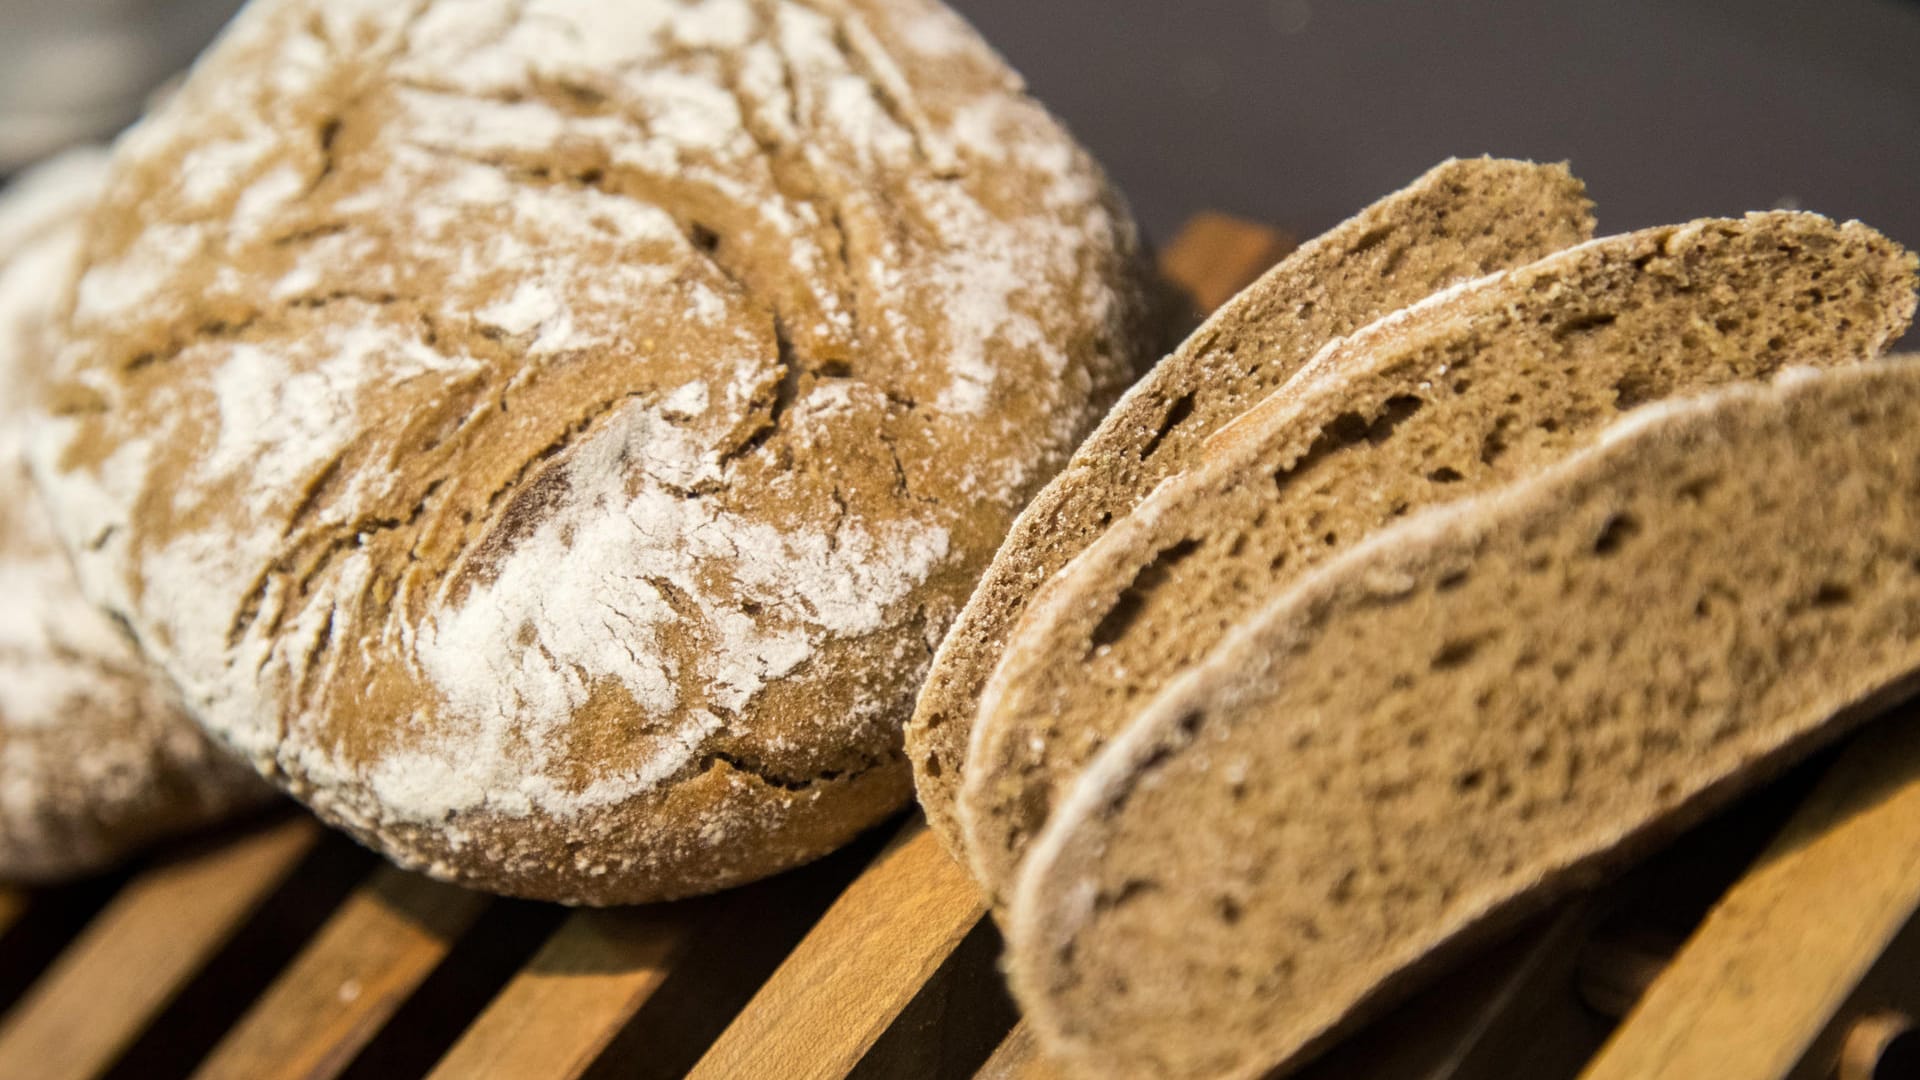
(550,438)
(97,757)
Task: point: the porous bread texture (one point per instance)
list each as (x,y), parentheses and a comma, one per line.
(549,438)
(1461,219)
(97,757)
(1472,713)
(1457,395)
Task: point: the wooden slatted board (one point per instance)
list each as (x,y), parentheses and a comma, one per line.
(280,950)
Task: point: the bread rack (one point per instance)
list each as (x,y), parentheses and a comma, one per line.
(1777,941)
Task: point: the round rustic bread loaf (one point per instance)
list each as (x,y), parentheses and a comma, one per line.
(550,438)
(97,758)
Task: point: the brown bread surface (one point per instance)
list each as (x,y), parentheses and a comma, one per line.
(1453,397)
(1471,713)
(1463,218)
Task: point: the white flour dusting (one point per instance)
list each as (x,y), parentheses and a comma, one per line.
(582,600)
(96,756)
(52,644)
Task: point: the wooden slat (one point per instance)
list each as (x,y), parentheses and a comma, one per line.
(1215,256)
(1765,974)
(556,1016)
(956,1020)
(373,953)
(858,967)
(141,948)
(1475,1025)
(580,1000)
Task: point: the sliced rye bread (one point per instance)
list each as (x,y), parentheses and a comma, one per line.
(1463,392)
(1471,713)
(1461,219)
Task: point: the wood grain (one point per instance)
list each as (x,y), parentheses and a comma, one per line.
(373,952)
(1763,977)
(141,948)
(955,1021)
(556,1016)
(858,967)
(1214,256)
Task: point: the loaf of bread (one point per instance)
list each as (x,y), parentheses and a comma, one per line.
(1486,383)
(1462,219)
(549,438)
(1470,713)
(97,757)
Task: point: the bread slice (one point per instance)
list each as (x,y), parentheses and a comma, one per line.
(1461,393)
(1462,219)
(1471,713)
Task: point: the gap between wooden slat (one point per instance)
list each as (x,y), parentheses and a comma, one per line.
(634,992)
(1018,1058)
(1483,1019)
(138,951)
(373,953)
(955,1021)
(576,994)
(12,904)
(1762,978)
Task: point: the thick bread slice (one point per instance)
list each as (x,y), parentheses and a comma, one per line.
(1461,393)
(1470,713)
(1461,219)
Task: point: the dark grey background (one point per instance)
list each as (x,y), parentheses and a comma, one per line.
(1298,112)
